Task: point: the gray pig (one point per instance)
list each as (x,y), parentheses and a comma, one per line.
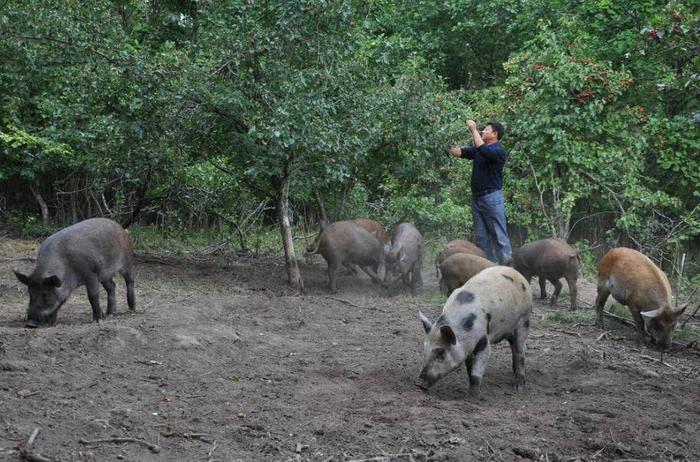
(458,269)
(404,256)
(345,243)
(90,252)
(492,306)
(549,259)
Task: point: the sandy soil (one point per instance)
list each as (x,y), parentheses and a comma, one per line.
(221,362)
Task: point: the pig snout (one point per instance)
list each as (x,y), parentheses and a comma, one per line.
(32,324)
(424,381)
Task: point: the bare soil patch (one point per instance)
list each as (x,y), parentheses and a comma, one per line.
(221,361)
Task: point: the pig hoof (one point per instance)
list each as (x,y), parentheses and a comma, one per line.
(421,385)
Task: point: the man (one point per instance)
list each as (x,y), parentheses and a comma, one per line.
(488,209)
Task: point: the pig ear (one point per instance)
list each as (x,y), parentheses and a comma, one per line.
(23,278)
(679,311)
(653,313)
(427,325)
(448,335)
(51,281)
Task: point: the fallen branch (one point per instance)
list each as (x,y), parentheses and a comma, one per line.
(619,319)
(690,317)
(211,453)
(26,452)
(603,335)
(650,358)
(153,447)
(187,435)
(384,458)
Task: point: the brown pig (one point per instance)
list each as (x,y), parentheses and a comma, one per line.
(88,253)
(635,281)
(373,227)
(451,250)
(346,243)
(549,259)
(468,245)
(458,269)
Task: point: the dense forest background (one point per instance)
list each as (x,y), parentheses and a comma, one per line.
(239,116)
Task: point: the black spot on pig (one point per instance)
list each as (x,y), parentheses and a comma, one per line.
(523,286)
(442,321)
(465,297)
(468,322)
(481,345)
(488,323)
(527,323)
(508,277)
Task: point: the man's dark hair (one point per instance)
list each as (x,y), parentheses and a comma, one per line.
(498,128)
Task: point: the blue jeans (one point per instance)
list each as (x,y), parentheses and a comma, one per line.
(490,232)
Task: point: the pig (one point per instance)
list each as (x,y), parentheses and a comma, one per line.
(345,243)
(549,259)
(404,256)
(373,227)
(468,245)
(451,250)
(635,281)
(458,269)
(87,253)
(492,306)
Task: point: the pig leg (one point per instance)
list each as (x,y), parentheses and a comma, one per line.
(110,287)
(557,289)
(477,368)
(572,291)
(332,270)
(518,347)
(601,298)
(639,321)
(417,280)
(93,290)
(543,290)
(370,272)
(130,296)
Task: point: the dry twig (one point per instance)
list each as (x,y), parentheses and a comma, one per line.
(153,447)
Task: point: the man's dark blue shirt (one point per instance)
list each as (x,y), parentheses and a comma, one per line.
(487,170)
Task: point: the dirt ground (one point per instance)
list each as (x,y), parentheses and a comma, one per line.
(221,362)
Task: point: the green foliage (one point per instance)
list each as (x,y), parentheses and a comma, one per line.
(620,310)
(191,113)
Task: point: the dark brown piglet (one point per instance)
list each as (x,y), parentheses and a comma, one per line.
(549,260)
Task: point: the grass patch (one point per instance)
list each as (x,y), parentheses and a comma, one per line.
(570,317)
(620,310)
(688,332)
(431,297)
(264,240)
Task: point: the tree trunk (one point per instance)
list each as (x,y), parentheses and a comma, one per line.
(42,203)
(321,210)
(293,275)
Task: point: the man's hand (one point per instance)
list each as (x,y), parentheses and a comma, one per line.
(471,125)
(455,152)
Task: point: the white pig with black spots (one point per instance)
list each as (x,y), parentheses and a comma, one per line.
(492,306)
